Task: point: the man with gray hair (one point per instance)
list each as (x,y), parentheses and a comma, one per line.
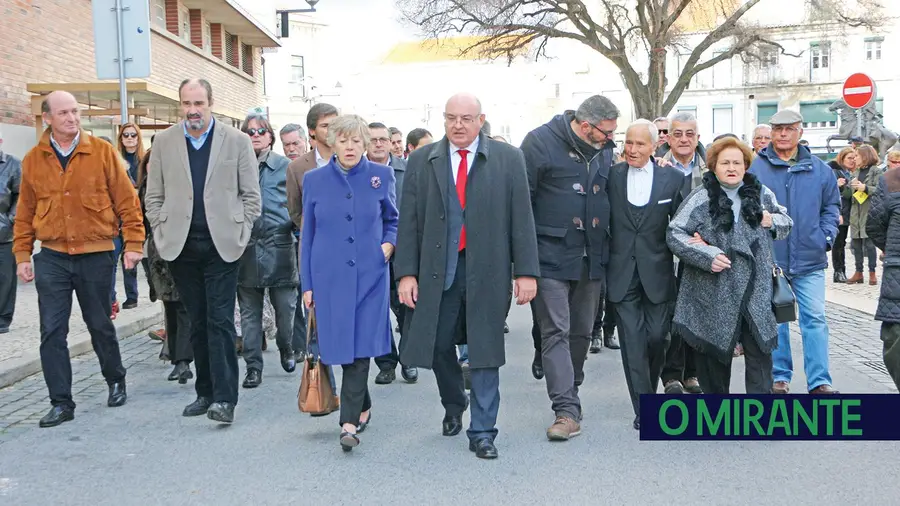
(662,127)
(568,162)
(293,141)
(10,178)
(762,136)
(643,197)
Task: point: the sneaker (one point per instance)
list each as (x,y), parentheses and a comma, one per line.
(563,429)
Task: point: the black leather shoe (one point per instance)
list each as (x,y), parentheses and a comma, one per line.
(198,407)
(410,374)
(129,304)
(636,423)
(299,357)
(56,416)
(596,346)
(364,425)
(185,373)
(287,360)
(117,395)
(253,378)
(611,341)
(173,376)
(505,328)
(221,412)
(452,425)
(385,377)
(484,448)
(537,366)
(840,277)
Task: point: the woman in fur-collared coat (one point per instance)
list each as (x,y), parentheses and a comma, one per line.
(723,233)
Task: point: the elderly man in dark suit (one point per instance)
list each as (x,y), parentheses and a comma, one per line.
(643,197)
(465,225)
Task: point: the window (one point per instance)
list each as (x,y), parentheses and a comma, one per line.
(230,42)
(820,54)
(873,50)
(298,76)
(184,17)
(765,111)
(247,59)
(768,58)
(722,73)
(207,37)
(815,114)
(158,12)
(722,119)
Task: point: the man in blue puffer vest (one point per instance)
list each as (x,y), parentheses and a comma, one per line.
(806,186)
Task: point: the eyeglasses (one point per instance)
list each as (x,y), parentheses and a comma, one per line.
(129,135)
(256,131)
(679,134)
(664,131)
(607,133)
(380,140)
(452,118)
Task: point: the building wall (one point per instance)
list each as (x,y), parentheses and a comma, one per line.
(52,41)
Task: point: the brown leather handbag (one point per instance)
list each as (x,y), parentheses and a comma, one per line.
(316,395)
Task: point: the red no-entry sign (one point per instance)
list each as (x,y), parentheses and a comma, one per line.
(859,90)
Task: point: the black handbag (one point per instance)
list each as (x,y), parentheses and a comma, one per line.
(783,299)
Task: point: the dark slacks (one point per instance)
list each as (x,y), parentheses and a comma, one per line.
(484,395)
(208,285)
(298,337)
(839,250)
(715,375)
(355,390)
(178,332)
(643,336)
(535,327)
(606,317)
(861,246)
(250,300)
(389,361)
(890,335)
(566,312)
(8,285)
(56,276)
(681,359)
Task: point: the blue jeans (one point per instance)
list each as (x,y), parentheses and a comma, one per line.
(810,292)
(463,353)
(129,276)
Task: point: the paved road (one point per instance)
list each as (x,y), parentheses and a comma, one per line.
(146,453)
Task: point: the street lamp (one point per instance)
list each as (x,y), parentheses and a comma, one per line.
(285,14)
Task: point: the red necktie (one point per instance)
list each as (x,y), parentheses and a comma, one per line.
(461,176)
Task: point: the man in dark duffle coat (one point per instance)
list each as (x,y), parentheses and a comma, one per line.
(643,197)
(486,226)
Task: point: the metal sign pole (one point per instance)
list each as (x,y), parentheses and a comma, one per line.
(859,123)
(120,39)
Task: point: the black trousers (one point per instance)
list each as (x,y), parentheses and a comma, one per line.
(860,246)
(681,360)
(389,361)
(56,276)
(644,337)
(8,284)
(839,250)
(298,337)
(535,328)
(178,332)
(355,390)
(208,287)
(890,336)
(606,318)
(715,375)
(451,322)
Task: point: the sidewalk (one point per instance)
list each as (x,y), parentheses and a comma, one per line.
(19,349)
(859,297)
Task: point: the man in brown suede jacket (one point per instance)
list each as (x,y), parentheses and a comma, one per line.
(73,194)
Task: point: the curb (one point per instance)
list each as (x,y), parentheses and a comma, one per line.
(863,305)
(79,344)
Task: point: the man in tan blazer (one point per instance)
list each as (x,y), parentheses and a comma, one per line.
(202,199)
(317,121)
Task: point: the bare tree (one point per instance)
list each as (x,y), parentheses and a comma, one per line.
(621,29)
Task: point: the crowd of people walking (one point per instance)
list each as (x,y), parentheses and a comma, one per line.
(666,250)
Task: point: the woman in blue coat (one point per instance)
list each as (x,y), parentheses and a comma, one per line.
(348,235)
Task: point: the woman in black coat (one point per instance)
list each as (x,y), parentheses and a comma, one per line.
(842,166)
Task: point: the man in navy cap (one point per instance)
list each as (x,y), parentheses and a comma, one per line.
(807,187)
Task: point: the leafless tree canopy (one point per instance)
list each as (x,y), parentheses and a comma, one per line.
(619,28)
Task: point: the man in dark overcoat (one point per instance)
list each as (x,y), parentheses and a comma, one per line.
(465,224)
(643,197)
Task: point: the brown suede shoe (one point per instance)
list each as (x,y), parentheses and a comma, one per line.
(563,429)
(823,389)
(872,279)
(781,387)
(857,278)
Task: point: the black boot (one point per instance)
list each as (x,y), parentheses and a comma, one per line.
(537,365)
(840,276)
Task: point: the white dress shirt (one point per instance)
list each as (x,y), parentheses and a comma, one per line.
(640,182)
(455,158)
(321,162)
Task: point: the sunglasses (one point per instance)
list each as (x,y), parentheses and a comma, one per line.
(129,135)
(664,131)
(256,131)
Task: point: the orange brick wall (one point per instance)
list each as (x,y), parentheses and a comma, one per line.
(197,25)
(29,53)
